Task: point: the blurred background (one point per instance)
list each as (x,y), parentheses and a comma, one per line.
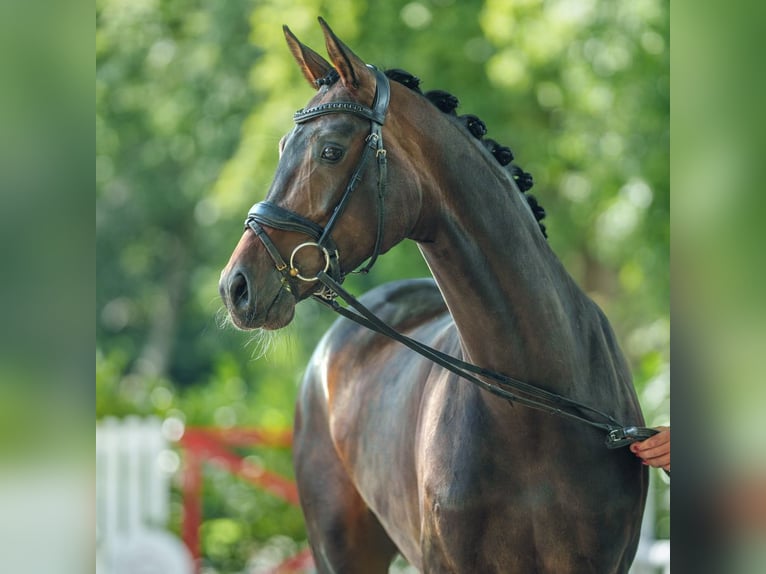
(191,100)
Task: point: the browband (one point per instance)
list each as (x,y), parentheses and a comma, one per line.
(377,113)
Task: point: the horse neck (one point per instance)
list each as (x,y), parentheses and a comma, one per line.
(510,297)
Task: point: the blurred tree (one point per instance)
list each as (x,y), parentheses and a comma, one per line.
(171,96)
(192,99)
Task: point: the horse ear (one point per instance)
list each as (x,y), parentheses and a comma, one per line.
(350,67)
(312,64)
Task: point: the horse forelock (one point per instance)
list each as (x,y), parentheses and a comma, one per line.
(328,80)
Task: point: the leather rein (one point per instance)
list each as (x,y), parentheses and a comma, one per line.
(331,276)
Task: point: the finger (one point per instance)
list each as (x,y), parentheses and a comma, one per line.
(655,441)
(658,461)
(654,452)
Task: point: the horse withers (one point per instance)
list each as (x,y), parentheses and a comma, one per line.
(393,453)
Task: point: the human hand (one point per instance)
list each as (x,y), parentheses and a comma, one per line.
(654,451)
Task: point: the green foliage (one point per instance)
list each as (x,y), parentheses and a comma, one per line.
(191,100)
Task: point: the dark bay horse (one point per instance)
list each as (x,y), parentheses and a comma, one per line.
(393,453)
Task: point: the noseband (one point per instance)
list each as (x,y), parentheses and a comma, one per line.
(274,216)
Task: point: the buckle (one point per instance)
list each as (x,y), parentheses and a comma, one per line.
(326,294)
(619,437)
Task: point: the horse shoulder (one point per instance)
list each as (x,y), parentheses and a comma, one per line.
(351,359)
(360,388)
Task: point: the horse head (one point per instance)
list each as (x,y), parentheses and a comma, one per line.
(325,209)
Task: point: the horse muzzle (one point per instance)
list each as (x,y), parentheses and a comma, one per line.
(269,306)
(255,294)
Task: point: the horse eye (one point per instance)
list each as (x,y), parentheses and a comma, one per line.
(332,153)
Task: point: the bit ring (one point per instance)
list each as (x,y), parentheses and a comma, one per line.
(294,272)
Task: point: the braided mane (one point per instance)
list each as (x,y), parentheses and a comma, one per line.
(448,103)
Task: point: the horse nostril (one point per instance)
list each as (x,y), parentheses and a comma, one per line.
(239,293)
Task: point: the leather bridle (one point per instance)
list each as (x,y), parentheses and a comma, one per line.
(331,277)
(272,215)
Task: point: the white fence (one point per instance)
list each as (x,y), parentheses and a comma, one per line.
(653,555)
(133,470)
